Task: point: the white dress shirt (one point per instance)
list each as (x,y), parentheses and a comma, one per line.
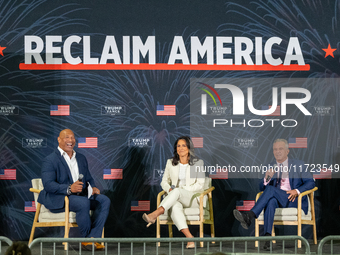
(72,163)
(182,174)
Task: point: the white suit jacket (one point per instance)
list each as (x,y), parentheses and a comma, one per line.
(195,177)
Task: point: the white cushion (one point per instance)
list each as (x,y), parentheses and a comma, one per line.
(47,216)
(289,214)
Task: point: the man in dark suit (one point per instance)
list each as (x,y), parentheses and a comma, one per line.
(281,185)
(60,177)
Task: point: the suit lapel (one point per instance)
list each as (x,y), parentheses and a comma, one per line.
(175,175)
(63,161)
(80,168)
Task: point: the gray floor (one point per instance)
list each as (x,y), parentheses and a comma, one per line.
(176,248)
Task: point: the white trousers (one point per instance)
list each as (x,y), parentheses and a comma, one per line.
(175,202)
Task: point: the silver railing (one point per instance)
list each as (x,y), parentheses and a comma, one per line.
(324,241)
(170,241)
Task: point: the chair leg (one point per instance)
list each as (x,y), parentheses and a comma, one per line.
(314,233)
(201,235)
(67,221)
(32,234)
(103,236)
(36,216)
(158,231)
(212,230)
(299,234)
(257,231)
(273,233)
(170,230)
(67,230)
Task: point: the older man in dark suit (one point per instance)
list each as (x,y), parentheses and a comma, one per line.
(60,177)
(280,188)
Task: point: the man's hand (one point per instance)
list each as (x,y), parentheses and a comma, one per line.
(292,195)
(270,172)
(77,187)
(95,191)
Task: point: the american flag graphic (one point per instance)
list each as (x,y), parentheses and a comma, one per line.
(298,142)
(87,142)
(60,110)
(166,110)
(197,142)
(30,206)
(323,174)
(8,174)
(219,174)
(113,174)
(245,205)
(277,111)
(141,205)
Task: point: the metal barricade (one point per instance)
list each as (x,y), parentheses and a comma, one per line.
(171,241)
(327,239)
(6,240)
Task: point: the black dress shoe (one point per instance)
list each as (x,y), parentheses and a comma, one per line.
(266,245)
(244,218)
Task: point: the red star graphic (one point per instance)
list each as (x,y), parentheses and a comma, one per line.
(1,49)
(329,51)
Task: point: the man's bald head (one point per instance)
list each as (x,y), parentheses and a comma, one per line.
(67,141)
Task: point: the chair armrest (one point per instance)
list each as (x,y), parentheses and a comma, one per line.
(258,195)
(306,193)
(159,196)
(207,191)
(35,190)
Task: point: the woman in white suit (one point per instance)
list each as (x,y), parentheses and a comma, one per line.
(183,179)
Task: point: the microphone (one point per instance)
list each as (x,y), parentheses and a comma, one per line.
(80,178)
(268,176)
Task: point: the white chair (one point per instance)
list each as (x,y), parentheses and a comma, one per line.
(292,216)
(45,218)
(195,216)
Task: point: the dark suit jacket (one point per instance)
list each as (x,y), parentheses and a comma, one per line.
(298,179)
(56,177)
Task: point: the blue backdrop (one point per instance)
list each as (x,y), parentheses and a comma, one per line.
(29,130)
